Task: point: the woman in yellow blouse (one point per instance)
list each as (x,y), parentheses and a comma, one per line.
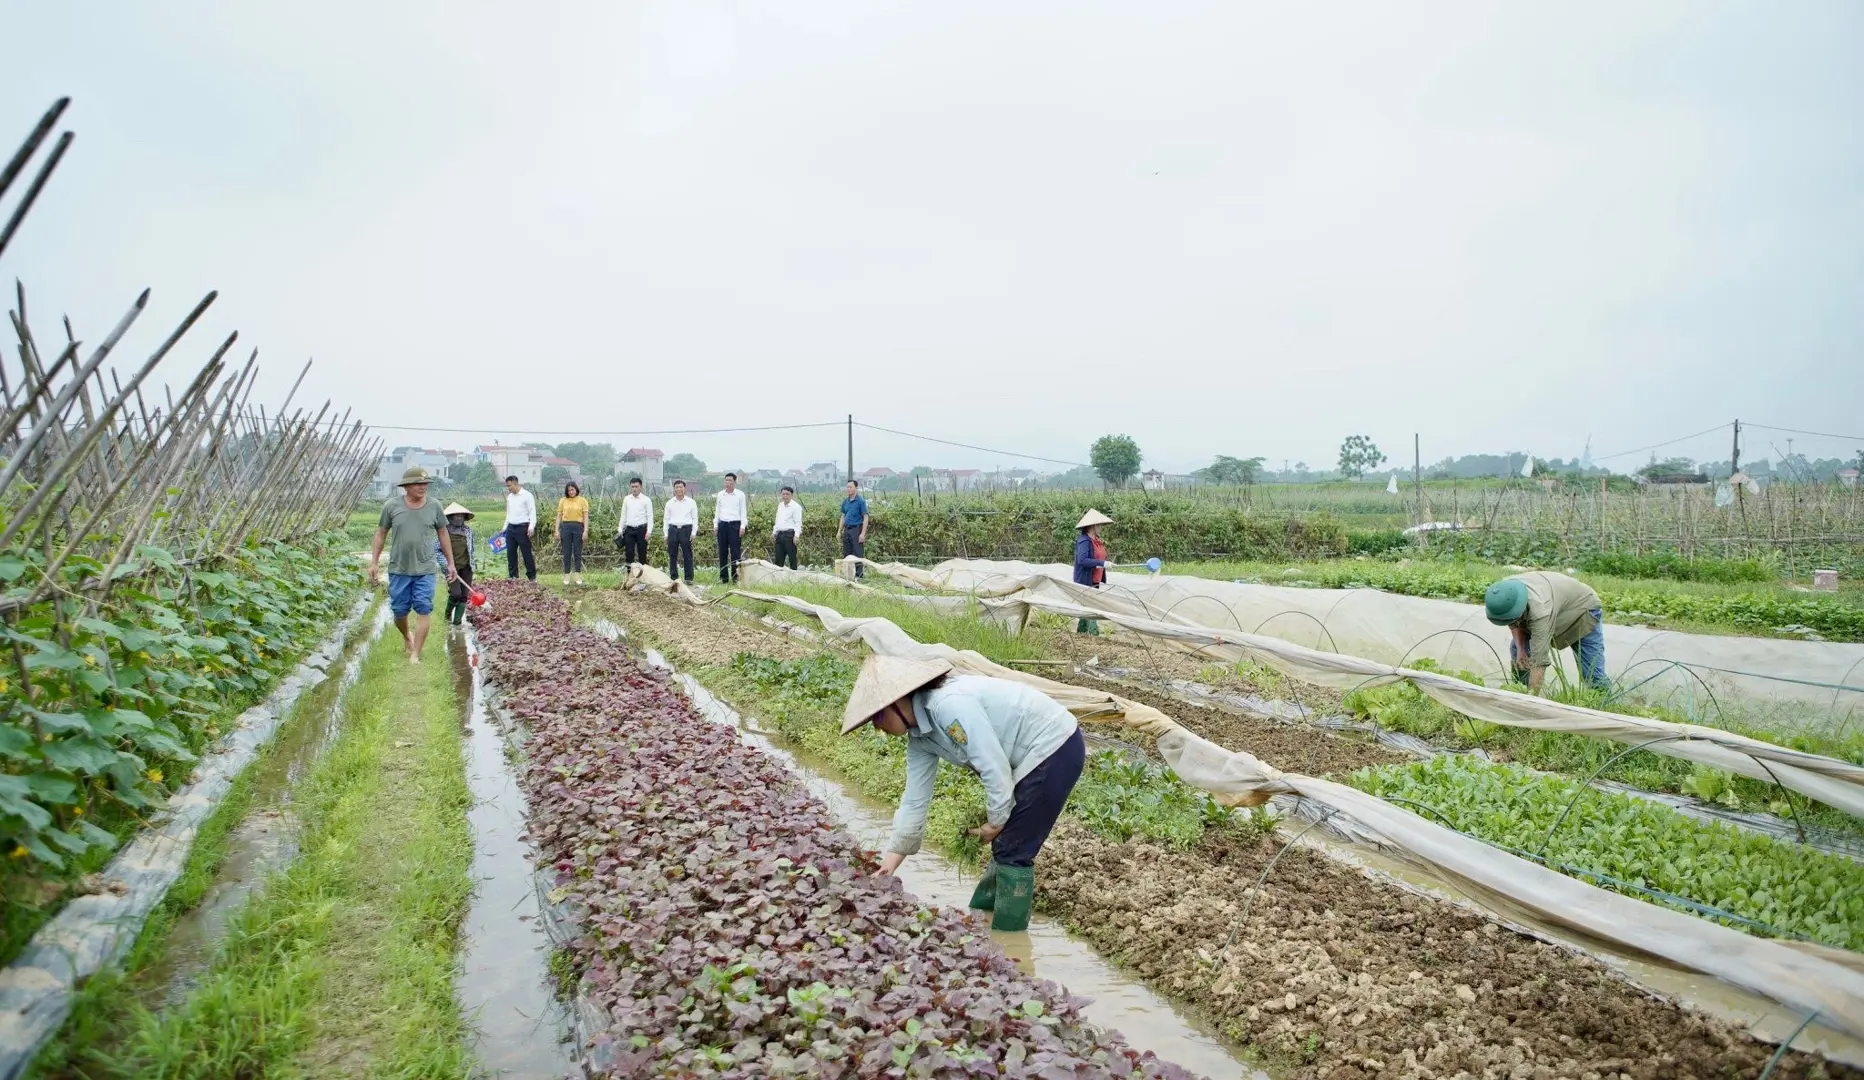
(572,523)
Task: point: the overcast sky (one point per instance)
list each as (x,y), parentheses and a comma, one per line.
(1240,228)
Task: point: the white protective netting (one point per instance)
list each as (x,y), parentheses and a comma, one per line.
(1808,978)
(1791,685)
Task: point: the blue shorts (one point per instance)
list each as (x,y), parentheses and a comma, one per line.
(411,592)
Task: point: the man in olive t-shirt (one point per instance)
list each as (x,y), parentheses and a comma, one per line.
(1544,613)
(415,522)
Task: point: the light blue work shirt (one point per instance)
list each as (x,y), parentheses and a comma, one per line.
(999,729)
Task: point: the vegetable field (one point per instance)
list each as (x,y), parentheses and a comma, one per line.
(730,927)
(1329,971)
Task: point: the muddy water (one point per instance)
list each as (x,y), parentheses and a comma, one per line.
(266,839)
(1046,950)
(503,986)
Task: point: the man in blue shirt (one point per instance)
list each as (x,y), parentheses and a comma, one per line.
(854,525)
(1024,746)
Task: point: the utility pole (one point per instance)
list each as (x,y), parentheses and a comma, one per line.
(1417,474)
(1734,456)
(850,446)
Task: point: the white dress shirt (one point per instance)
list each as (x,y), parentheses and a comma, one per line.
(729,506)
(635,510)
(679,511)
(520,508)
(789,516)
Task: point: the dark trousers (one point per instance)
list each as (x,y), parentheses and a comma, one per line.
(518,538)
(730,549)
(852,544)
(633,544)
(785,549)
(571,533)
(679,544)
(1039,799)
(456,594)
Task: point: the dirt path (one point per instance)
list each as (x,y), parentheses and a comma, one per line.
(1334,976)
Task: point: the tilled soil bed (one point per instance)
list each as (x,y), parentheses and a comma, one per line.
(1344,977)
(1334,976)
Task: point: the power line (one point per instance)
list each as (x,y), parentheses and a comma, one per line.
(528,431)
(1818,434)
(969,446)
(1666,442)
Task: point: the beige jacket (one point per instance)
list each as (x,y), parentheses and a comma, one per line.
(1559,613)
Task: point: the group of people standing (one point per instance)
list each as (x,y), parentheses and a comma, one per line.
(679,522)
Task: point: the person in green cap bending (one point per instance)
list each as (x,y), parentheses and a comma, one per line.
(1024,746)
(1545,611)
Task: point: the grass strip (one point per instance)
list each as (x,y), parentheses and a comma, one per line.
(1117,797)
(343,965)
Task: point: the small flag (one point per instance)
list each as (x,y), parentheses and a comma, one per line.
(1391,488)
(497,543)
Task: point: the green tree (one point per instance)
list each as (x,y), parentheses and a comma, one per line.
(1232,470)
(597,459)
(1115,458)
(1675,466)
(684,467)
(555,474)
(926,470)
(1357,454)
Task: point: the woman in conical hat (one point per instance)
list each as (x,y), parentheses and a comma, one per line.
(1090,560)
(1024,746)
(460,538)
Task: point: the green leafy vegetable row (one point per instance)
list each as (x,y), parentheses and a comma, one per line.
(101,713)
(1117,797)
(1782,885)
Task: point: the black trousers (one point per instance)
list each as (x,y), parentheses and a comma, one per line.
(518,538)
(730,549)
(679,544)
(852,544)
(633,544)
(1039,799)
(572,534)
(456,594)
(784,549)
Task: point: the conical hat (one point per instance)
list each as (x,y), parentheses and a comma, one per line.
(456,508)
(1093,517)
(885,680)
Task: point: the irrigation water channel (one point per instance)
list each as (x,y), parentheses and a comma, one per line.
(1046,950)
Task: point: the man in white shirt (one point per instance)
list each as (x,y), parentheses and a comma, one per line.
(788,527)
(678,519)
(637,520)
(729,514)
(520,523)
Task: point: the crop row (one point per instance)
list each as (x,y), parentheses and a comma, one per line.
(1634,844)
(1404,708)
(729,927)
(103,710)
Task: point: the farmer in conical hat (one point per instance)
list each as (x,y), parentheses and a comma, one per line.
(460,539)
(1024,746)
(1545,612)
(1090,560)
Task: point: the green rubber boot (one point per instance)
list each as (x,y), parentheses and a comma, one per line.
(1016,890)
(984,897)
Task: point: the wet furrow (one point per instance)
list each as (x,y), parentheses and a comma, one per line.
(503,986)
